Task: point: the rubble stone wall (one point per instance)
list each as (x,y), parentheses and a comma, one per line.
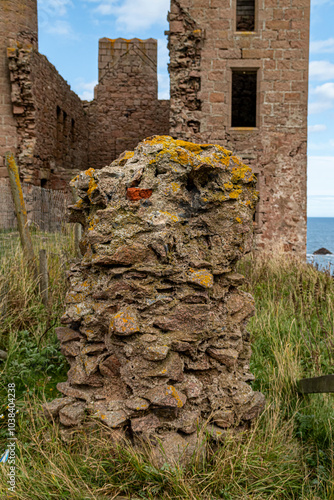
(51,122)
(204,45)
(155,322)
(18,21)
(126,108)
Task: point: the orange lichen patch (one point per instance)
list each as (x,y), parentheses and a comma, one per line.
(90,172)
(136,194)
(228,185)
(190,146)
(201,277)
(79,203)
(11,51)
(91,187)
(240,172)
(173,217)
(235,193)
(92,222)
(171,389)
(175,186)
(238,220)
(124,322)
(125,157)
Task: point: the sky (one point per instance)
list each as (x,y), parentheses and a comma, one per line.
(69,31)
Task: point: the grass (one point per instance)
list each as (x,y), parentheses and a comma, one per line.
(287,453)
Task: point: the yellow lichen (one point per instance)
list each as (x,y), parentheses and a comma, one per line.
(235,193)
(175,395)
(202,277)
(173,217)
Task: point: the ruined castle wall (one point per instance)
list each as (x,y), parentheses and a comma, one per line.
(18,20)
(126,108)
(51,122)
(276,147)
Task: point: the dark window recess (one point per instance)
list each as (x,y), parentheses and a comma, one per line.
(44,183)
(245,15)
(244,98)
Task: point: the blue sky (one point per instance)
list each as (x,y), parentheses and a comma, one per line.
(69,31)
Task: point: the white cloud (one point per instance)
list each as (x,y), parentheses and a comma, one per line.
(60,28)
(325,91)
(320,206)
(321,46)
(133,15)
(321,70)
(163,76)
(142,14)
(85,90)
(319,107)
(325,98)
(317,128)
(54,7)
(320,176)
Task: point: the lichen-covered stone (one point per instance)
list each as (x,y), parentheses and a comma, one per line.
(155,321)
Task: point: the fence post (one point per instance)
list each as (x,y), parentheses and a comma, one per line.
(20,210)
(43,277)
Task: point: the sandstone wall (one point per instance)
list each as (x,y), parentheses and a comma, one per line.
(18,21)
(205,46)
(126,108)
(51,122)
(155,321)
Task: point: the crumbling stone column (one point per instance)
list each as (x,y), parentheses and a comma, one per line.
(155,321)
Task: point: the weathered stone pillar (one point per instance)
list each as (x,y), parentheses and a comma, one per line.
(155,321)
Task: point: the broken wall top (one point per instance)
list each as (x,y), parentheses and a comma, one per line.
(177,204)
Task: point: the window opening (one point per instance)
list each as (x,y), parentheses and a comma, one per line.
(244,86)
(245,15)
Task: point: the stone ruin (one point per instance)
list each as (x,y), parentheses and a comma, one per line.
(155,322)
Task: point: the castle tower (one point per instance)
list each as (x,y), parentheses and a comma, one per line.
(18,21)
(239,78)
(125,109)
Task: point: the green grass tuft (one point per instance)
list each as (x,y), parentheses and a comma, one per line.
(286,454)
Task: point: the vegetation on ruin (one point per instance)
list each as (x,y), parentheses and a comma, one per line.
(287,453)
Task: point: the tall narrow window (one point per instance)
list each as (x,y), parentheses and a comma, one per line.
(245,15)
(244,85)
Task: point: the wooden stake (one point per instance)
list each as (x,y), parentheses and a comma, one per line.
(43,277)
(316,384)
(21,213)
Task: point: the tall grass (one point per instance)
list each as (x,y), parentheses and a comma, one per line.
(286,454)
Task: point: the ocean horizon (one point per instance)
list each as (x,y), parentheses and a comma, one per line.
(320,234)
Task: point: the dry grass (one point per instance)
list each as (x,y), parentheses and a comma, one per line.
(287,453)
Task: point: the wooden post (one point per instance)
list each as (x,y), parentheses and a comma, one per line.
(316,384)
(43,277)
(21,212)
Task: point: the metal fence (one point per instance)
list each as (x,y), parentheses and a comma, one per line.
(46,208)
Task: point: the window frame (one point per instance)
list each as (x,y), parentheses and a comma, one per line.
(244,65)
(240,32)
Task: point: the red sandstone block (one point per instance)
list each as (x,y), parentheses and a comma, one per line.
(269,64)
(278,25)
(282,86)
(280,44)
(215,75)
(230,54)
(135,194)
(273,97)
(292,75)
(257,54)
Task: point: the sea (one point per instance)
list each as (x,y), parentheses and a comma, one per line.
(320,234)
